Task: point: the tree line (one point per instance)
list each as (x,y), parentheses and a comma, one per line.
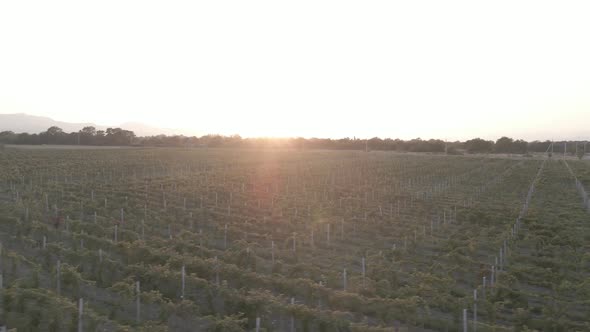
(86,136)
(122,137)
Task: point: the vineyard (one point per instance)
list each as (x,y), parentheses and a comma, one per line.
(272,240)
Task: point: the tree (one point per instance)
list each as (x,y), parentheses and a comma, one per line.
(478,145)
(537,146)
(375,143)
(419,145)
(504,145)
(54,131)
(53,135)
(87,135)
(90,131)
(99,138)
(8,137)
(118,136)
(519,146)
(581,152)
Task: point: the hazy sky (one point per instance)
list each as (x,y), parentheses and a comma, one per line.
(443,69)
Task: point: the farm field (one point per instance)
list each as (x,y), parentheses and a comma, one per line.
(272,240)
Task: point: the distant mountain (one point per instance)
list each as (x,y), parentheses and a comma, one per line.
(141,129)
(32,124)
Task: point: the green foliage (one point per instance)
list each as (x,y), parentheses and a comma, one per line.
(422,263)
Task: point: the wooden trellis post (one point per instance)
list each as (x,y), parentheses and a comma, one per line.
(80,314)
(183,271)
(363,269)
(474,310)
(58,277)
(493,279)
(225,237)
(292,316)
(272,251)
(464,320)
(137,303)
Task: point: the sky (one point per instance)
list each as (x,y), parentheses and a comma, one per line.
(431,69)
